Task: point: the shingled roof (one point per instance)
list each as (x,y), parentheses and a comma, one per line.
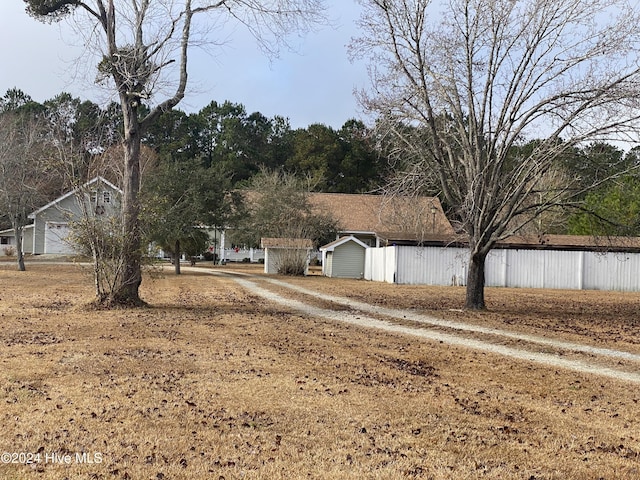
(525,242)
(360,213)
(287,243)
(573,242)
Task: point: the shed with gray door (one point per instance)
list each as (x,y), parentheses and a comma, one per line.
(344,258)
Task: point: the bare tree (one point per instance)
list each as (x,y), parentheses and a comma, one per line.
(463,85)
(278,206)
(144,48)
(23,172)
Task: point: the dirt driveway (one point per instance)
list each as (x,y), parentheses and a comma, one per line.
(579,357)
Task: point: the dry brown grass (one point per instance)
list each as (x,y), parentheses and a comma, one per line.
(211,382)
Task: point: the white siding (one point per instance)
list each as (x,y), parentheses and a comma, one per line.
(563,269)
(271,260)
(525,269)
(274,258)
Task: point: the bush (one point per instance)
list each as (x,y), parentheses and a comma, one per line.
(9,251)
(292,269)
(210,257)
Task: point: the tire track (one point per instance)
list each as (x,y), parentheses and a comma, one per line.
(367,321)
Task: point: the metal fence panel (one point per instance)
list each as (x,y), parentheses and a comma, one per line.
(432,265)
(612,271)
(556,269)
(380,264)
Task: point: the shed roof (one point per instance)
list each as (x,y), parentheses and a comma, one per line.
(330,247)
(289,243)
(532,242)
(573,242)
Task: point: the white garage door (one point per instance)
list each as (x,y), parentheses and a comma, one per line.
(55,238)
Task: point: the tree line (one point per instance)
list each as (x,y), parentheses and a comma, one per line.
(195,160)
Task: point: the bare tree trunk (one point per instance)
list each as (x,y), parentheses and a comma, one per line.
(176,257)
(475,282)
(126,292)
(17,228)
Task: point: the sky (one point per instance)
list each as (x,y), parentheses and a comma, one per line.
(314,84)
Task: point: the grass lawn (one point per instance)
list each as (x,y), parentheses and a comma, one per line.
(211,382)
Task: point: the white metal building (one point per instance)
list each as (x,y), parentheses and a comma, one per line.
(508,267)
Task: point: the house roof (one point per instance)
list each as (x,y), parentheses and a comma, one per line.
(75,190)
(361,213)
(10,232)
(290,243)
(330,247)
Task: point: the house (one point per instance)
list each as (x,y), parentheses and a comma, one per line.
(364,216)
(286,255)
(344,258)
(50,231)
(7,241)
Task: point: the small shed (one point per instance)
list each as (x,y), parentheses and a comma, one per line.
(344,258)
(288,256)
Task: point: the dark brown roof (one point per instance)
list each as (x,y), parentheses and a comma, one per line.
(532,242)
(572,242)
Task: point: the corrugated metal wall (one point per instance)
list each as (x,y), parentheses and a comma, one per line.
(506,268)
(613,271)
(432,266)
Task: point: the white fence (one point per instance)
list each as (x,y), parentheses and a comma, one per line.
(239,255)
(506,268)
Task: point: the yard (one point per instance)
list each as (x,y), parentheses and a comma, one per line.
(212,381)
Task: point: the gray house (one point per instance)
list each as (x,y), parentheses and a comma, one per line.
(344,258)
(50,230)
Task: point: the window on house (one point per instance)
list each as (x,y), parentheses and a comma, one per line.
(93,197)
(4,240)
(106,197)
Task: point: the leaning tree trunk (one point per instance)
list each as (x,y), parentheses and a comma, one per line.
(475,282)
